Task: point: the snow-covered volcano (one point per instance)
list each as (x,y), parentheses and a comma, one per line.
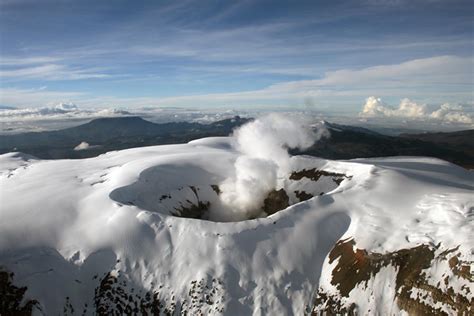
(139,231)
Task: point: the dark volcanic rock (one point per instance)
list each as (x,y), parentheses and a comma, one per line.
(276,201)
(116,295)
(303,196)
(197,211)
(12,297)
(314,175)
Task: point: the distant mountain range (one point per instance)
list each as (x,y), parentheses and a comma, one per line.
(346,142)
(106,134)
(6,107)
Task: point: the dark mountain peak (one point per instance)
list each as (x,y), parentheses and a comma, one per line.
(233,121)
(102,129)
(116,125)
(334,127)
(117,120)
(7,107)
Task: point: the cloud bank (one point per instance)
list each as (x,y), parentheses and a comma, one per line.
(452,113)
(59,111)
(374,107)
(447,113)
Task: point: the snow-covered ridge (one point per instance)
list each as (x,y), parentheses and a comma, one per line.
(72,231)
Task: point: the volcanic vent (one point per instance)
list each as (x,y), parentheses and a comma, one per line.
(192,192)
(261,180)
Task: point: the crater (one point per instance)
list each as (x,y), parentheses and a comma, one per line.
(190,191)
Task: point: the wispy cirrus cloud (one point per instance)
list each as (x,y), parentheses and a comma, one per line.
(434,70)
(36,97)
(51,72)
(18,61)
(431,77)
(426,79)
(216,54)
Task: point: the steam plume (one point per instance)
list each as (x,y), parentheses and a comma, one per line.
(264,158)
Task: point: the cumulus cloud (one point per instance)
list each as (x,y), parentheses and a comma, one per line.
(407,109)
(452,113)
(263,145)
(374,107)
(82,146)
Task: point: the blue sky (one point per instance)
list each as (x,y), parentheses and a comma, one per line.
(330,55)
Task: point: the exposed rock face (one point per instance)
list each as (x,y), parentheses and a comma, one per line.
(303,196)
(417,290)
(12,297)
(216,189)
(198,209)
(314,175)
(115,296)
(276,201)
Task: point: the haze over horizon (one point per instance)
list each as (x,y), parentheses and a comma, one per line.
(383,59)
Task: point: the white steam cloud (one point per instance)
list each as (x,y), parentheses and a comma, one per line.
(264,158)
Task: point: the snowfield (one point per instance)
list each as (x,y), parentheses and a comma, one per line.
(109,234)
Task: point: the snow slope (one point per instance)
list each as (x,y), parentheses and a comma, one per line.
(73,230)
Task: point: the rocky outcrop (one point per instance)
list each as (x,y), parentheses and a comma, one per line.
(276,201)
(116,296)
(12,298)
(417,291)
(315,174)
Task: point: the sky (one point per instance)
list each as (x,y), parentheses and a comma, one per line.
(333,56)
